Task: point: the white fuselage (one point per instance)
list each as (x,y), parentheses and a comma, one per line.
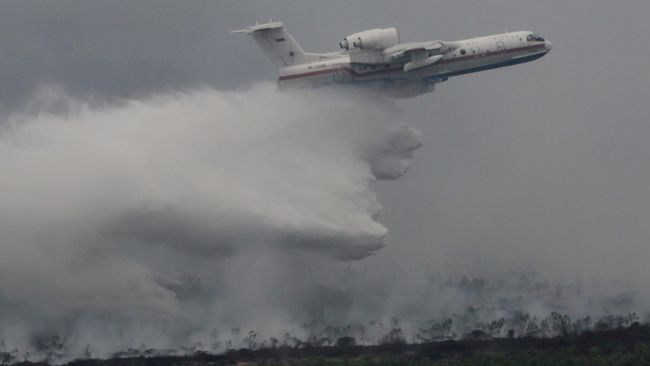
(466,56)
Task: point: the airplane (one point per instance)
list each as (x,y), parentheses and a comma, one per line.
(376,57)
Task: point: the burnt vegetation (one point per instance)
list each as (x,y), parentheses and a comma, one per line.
(622,346)
(471,334)
(612,341)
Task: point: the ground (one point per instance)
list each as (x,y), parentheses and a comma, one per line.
(628,346)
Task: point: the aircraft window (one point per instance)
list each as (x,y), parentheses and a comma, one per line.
(462,52)
(535,38)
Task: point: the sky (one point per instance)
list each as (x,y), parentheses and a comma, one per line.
(539,167)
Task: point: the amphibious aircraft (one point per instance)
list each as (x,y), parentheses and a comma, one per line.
(376,57)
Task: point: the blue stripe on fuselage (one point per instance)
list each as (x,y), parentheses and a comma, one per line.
(516,61)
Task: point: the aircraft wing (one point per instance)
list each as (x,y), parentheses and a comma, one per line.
(407,49)
(417,55)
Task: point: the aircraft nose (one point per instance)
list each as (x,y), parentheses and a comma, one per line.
(548,45)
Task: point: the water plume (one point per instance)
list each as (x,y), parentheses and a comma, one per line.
(156,220)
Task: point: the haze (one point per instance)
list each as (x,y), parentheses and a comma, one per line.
(540,169)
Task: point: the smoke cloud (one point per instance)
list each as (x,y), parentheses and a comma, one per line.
(210,220)
(156,221)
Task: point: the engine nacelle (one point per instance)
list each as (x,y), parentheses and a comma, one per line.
(374,39)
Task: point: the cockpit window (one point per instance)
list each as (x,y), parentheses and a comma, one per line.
(535,38)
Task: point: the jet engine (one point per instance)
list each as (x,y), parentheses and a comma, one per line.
(374,39)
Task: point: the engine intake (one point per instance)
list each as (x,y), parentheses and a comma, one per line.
(374,39)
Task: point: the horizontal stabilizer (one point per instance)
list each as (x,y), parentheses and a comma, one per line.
(259,28)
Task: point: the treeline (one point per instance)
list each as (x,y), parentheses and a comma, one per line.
(620,347)
(467,309)
(460,327)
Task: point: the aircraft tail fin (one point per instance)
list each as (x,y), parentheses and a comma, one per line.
(280,47)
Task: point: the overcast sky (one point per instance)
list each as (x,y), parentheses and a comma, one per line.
(546,162)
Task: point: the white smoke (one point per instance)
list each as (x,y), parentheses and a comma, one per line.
(210,220)
(154,221)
